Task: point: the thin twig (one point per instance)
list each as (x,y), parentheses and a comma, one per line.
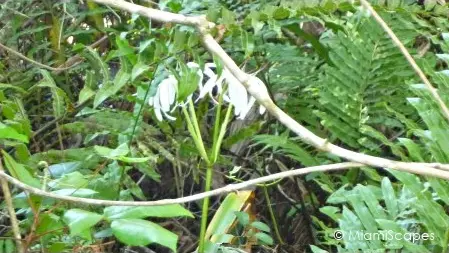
(195,197)
(12,214)
(409,58)
(76,59)
(31,60)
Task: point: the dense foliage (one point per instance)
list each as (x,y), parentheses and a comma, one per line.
(89,126)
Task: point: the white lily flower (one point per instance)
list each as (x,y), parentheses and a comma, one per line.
(164,101)
(165,97)
(236,93)
(211,83)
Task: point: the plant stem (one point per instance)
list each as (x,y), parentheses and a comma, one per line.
(205,210)
(12,214)
(216,126)
(195,120)
(219,140)
(198,141)
(272,216)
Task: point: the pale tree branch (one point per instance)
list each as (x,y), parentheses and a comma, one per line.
(262,96)
(195,197)
(157,15)
(12,214)
(409,58)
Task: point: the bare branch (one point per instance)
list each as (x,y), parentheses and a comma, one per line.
(409,58)
(23,57)
(263,98)
(195,197)
(157,15)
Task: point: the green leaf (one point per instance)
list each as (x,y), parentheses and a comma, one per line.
(11,133)
(133,159)
(315,249)
(108,89)
(137,232)
(228,17)
(10,246)
(71,180)
(281,13)
(409,246)
(179,40)
(98,64)
(85,94)
(80,220)
(390,198)
(371,202)
(50,223)
(247,43)
(331,211)
(4,86)
(243,218)
(138,69)
(122,212)
(106,152)
(225,215)
(288,147)
(119,154)
(57,247)
(441,188)
(413,149)
(264,238)
(76,192)
(188,82)
(60,169)
(18,171)
(59,97)
(261,226)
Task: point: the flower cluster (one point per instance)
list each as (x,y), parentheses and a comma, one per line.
(164,101)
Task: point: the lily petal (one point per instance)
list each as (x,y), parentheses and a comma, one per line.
(169,117)
(167,89)
(208,87)
(157,112)
(237,93)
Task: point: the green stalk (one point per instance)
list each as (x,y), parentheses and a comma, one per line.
(224,126)
(197,140)
(205,210)
(216,126)
(195,120)
(272,216)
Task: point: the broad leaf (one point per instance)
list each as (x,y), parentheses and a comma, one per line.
(122,212)
(137,232)
(79,220)
(19,171)
(11,133)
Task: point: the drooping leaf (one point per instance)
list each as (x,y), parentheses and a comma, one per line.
(10,133)
(126,212)
(264,238)
(225,215)
(137,232)
(19,171)
(109,89)
(76,192)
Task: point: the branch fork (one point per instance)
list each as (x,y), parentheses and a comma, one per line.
(261,95)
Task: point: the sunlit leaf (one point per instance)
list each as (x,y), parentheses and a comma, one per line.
(137,232)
